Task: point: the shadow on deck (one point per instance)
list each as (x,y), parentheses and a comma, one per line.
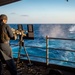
(39,68)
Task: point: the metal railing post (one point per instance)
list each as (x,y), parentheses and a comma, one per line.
(47,51)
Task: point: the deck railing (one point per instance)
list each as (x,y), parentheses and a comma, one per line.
(48,48)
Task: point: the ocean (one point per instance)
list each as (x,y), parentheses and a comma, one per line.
(39,43)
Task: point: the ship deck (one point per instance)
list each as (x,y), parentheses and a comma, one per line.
(39,68)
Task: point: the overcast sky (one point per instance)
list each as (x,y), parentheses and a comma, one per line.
(40,11)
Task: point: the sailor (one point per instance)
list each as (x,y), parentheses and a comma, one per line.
(5,49)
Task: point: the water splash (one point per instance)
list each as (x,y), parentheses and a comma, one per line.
(72,29)
(52,31)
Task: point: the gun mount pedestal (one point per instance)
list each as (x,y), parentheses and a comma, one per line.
(21,45)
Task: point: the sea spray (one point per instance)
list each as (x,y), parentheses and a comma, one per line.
(52,31)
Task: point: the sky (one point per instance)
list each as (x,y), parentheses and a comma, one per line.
(40,11)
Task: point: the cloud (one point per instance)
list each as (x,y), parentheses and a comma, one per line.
(24,15)
(13,13)
(18,14)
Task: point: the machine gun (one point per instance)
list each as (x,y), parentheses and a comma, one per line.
(24,33)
